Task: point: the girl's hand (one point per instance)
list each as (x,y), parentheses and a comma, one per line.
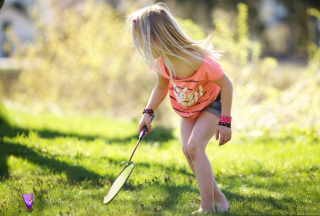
(225,134)
(145,120)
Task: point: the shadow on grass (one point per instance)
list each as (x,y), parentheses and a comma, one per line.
(249,203)
(178,194)
(173,195)
(159,134)
(78,174)
(74,173)
(144,165)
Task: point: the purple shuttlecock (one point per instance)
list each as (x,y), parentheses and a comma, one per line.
(28,199)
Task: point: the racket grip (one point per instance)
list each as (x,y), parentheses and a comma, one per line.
(145,128)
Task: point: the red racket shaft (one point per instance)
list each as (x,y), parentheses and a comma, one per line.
(142,134)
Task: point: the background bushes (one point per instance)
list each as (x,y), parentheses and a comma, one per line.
(85,63)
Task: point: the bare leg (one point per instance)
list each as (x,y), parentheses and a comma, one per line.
(207,131)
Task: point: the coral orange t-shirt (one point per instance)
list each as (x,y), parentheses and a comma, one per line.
(189,96)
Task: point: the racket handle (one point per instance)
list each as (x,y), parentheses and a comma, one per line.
(145,128)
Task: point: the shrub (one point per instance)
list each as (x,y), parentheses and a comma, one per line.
(85,62)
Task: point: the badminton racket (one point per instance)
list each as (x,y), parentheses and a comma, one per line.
(125,173)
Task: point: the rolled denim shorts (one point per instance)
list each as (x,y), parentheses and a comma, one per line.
(215,106)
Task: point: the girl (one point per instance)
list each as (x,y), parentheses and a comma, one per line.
(199,92)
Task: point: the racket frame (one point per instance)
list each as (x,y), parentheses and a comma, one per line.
(123,183)
(142,134)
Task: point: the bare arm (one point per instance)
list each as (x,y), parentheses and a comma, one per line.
(226,95)
(157,96)
(226,102)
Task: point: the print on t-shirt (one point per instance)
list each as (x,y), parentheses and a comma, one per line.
(185,98)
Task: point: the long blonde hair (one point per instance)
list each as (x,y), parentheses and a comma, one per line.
(155,31)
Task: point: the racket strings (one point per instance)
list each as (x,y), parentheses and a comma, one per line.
(118,183)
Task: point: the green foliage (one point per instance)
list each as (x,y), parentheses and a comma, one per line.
(243,31)
(313,49)
(298,105)
(85,62)
(265,94)
(69,168)
(191,29)
(236,44)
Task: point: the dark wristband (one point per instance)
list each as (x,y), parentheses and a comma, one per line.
(149,111)
(225,124)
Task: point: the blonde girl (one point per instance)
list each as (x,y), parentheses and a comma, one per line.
(199,92)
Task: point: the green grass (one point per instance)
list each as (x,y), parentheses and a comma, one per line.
(69,163)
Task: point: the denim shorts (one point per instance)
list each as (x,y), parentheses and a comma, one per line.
(215,106)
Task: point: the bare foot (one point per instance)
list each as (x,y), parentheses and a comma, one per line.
(222,203)
(202,211)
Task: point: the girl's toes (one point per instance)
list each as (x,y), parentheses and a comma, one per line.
(202,211)
(223,208)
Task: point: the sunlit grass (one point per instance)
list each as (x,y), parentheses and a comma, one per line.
(68,162)
(69,169)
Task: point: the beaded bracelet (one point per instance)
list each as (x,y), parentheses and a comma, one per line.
(149,111)
(225,121)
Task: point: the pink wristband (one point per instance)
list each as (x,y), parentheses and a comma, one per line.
(225,119)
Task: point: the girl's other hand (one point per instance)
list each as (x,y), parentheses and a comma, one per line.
(225,134)
(145,120)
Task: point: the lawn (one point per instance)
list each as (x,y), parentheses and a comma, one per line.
(69,162)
